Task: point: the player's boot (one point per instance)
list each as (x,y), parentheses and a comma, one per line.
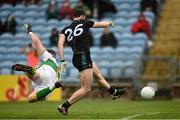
(58,84)
(27,28)
(62,110)
(24,68)
(118,92)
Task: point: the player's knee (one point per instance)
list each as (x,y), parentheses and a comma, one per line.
(31,99)
(87,90)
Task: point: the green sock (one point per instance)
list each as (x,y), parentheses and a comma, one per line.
(43,93)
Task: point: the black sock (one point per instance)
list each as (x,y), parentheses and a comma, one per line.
(66,104)
(111,90)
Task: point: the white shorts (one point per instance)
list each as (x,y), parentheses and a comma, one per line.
(47,78)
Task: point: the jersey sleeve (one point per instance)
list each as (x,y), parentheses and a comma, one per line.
(46,55)
(62,31)
(89,23)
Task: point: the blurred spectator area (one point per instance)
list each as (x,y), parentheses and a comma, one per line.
(14,2)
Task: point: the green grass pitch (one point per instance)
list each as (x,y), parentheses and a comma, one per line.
(93,109)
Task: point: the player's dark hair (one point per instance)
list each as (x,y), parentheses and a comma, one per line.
(78,12)
(53,53)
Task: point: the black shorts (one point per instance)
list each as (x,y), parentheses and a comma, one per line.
(82,61)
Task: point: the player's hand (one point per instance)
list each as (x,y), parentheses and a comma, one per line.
(27,28)
(63,66)
(111,24)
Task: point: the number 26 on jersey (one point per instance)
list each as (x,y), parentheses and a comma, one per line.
(78,30)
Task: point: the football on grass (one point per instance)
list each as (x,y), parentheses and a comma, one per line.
(147,92)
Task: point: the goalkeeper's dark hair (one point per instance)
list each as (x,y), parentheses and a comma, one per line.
(53,53)
(78,12)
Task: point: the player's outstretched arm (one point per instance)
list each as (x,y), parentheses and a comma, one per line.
(35,39)
(103,24)
(61,51)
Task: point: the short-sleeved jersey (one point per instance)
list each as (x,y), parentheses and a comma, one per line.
(48,59)
(47,56)
(77,35)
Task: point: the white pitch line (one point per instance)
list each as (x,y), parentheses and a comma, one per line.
(137,115)
(132,116)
